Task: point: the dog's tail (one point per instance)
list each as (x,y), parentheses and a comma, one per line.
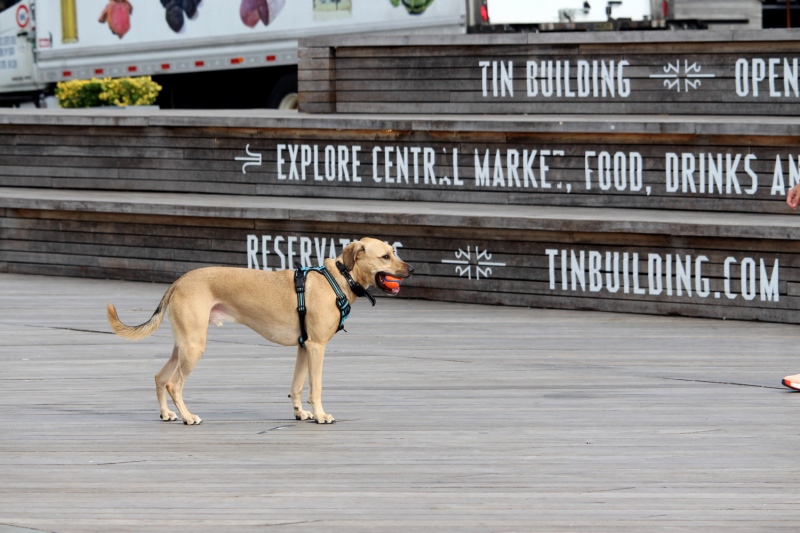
(137,333)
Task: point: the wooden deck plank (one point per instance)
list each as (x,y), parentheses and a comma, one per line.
(460,417)
(589,219)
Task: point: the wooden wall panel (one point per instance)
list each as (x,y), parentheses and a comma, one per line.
(316,80)
(151,197)
(456,264)
(679,73)
(212,160)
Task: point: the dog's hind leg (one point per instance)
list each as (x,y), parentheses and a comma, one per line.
(299,381)
(188,355)
(162,378)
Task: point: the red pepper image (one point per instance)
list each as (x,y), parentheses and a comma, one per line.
(118,15)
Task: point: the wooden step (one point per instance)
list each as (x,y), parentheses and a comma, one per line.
(614,259)
(733,164)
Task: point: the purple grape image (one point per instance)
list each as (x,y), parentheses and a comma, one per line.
(175,12)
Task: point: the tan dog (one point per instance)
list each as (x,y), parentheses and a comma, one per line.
(267,303)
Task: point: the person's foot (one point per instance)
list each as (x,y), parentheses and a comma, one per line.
(793,382)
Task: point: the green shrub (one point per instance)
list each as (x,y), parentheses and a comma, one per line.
(107,92)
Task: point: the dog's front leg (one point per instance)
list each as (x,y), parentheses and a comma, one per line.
(316,353)
(299,381)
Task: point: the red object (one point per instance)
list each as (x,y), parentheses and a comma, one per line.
(237,60)
(67,73)
(199,63)
(270,58)
(789,384)
(131,69)
(165,66)
(98,71)
(665,8)
(118,16)
(485,13)
(23,16)
(392,282)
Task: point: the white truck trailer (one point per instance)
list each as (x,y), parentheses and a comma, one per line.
(242,53)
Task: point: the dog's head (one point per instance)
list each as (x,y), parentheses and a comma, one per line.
(371,260)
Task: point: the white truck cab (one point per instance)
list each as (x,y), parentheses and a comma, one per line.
(18,75)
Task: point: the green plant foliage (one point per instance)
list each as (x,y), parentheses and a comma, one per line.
(414,7)
(107,92)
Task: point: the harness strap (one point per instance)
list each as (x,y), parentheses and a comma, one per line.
(299,286)
(355,286)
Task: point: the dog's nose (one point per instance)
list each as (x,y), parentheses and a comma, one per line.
(410,269)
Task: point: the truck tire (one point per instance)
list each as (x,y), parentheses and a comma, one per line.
(284,93)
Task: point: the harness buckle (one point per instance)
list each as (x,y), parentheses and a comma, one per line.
(299,278)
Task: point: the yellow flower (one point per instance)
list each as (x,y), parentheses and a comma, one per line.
(119,92)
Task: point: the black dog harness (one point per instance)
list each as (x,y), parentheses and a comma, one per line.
(341,300)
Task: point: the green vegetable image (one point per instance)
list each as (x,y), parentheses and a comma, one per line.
(414,7)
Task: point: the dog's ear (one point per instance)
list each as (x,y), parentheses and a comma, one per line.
(351,253)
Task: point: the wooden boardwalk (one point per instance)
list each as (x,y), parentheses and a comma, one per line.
(452,417)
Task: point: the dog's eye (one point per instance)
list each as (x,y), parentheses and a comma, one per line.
(386,256)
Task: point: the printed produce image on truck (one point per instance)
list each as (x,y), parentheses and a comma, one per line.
(205,53)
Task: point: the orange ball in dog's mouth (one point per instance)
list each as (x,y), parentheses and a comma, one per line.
(389,284)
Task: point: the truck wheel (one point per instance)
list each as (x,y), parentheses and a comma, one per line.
(284,93)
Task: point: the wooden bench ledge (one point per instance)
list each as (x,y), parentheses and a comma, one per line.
(513,217)
(273,119)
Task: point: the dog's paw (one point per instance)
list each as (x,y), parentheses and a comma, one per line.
(325,419)
(193,420)
(299,414)
(169,416)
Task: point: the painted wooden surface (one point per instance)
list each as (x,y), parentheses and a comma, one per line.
(731,266)
(149,196)
(690,72)
(458,417)
(662,163)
